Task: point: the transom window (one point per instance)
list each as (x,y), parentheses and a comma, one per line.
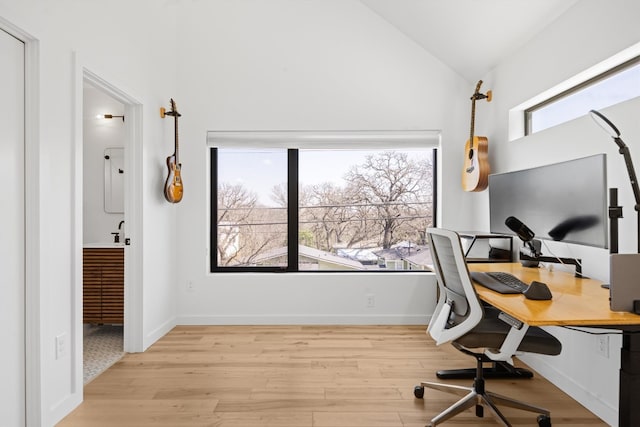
(619,84)
(356,206)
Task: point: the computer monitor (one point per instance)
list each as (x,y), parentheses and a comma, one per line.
(564,201)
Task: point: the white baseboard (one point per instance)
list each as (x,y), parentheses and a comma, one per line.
(61,409)
(304,320)
(583,396)
(159,332)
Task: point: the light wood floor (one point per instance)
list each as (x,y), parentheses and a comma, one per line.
(297,376)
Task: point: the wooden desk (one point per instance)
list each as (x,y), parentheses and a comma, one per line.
(576,302)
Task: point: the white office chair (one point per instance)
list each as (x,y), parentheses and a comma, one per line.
(459,318)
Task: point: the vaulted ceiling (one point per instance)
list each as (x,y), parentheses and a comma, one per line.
(470,36)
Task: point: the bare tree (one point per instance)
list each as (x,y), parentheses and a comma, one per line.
(245,229)
(388,198)
(396,188)
(327,214)
(279,194)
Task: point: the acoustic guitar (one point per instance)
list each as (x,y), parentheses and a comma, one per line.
(173,186)
(475,173)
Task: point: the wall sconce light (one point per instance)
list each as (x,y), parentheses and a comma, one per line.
(108,116)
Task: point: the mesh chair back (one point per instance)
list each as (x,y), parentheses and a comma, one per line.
(458,310)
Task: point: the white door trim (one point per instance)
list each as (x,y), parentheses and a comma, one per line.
(33,329)
(133,336)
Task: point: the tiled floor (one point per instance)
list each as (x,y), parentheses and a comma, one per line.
(102,348)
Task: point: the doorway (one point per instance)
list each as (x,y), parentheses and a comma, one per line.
(104,230)
(129,230)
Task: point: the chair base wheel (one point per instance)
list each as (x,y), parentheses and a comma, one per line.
(418,392)
(544,421)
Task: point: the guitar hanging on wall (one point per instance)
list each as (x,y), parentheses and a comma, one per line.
(173,185)
(475,173)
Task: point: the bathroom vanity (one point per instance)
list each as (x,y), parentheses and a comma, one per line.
(103,283)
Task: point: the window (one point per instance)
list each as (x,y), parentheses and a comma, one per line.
(321,208)
(619,84)
(250,224)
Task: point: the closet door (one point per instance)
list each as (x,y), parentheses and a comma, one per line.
(12,232)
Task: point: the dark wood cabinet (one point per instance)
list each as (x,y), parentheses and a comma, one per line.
(103,285)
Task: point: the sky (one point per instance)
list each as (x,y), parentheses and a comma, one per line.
(261,169)
(612,90)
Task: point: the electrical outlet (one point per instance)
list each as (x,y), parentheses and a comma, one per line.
(370,300)
(191,286)
(61,346)
(602,343)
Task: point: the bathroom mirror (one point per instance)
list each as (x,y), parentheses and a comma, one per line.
(114,180)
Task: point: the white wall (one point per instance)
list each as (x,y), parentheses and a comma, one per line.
(282,64)
(98,135)
(291,65)
(285,65)
(138,58)
(591,32)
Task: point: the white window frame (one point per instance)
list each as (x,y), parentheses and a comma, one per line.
(517,123)
(382,139)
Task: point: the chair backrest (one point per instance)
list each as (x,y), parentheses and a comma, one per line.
(458,309)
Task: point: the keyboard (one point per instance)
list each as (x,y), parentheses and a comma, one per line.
(498,281)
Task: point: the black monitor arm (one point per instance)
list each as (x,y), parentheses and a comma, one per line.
(529,261)
(531,251)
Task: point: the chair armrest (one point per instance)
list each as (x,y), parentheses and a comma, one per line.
(511,342)
(437,326)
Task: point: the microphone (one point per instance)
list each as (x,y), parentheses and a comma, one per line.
(531,251)
(524,233)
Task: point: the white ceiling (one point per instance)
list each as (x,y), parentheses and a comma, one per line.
(470,36)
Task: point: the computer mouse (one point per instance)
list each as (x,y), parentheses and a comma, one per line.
(538,291)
